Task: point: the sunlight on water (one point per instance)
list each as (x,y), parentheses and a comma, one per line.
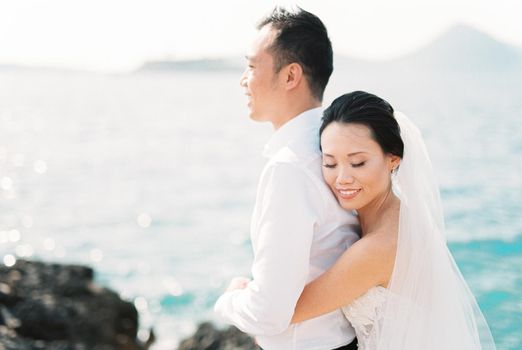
(6,183)
(96,255)
(49,244)
(144,220)
(9,260)
(40,166)
(151,179)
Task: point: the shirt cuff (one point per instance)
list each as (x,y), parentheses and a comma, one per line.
(223,304)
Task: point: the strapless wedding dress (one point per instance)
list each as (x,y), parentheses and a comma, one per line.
(365,314)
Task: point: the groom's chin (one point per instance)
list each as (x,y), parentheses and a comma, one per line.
(256,117)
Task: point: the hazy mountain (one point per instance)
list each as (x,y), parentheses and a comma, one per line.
(465,48)
(461,49)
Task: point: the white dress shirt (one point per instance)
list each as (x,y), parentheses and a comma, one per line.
(298,231)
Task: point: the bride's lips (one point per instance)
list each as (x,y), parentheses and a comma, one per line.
(347,193)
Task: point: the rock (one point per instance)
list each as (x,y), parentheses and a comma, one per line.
(59,307)
(207,337)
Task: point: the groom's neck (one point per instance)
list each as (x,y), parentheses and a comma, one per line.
(292,109)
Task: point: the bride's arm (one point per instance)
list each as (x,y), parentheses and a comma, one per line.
(367,263)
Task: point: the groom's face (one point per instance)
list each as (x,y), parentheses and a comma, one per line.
(260,81)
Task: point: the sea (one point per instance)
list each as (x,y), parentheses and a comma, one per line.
(150,178)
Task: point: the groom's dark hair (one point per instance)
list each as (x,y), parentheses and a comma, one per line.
(301,38)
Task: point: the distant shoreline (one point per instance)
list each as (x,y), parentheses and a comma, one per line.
(460,48)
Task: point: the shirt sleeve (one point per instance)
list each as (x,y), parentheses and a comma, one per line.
(289,210)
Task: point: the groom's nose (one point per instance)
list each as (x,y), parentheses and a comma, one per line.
(243,80)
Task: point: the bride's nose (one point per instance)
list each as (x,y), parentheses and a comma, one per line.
(344,176)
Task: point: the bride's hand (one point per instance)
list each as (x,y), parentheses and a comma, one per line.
(238,283)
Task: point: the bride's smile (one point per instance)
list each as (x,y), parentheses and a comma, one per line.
(355,166)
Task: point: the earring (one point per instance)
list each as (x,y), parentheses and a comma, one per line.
(394,173)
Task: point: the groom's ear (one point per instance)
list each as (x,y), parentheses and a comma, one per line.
(293,76)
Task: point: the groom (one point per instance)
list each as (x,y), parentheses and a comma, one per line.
(298,229)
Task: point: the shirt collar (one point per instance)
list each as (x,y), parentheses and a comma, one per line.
(292,129)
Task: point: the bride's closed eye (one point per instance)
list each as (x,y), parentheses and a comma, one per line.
(358,165)
(330,166)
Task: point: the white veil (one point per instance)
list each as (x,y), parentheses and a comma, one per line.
(430,305)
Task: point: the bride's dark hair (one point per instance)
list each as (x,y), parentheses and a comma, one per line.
(364,108)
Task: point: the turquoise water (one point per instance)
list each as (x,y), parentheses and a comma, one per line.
(151,180)
(492,268)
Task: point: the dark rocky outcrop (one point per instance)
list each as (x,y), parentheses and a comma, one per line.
(52,306)
(59,307)
(207,337)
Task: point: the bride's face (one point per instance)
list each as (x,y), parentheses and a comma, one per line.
(354,165)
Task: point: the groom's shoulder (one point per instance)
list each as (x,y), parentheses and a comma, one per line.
(285,155)
(298,157)
(291,165)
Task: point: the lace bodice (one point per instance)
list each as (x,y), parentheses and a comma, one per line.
(365,314)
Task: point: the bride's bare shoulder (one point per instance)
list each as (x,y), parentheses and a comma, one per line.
(377,249)
(384,238)
(382,242)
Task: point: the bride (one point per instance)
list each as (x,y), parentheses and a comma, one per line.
(398,285)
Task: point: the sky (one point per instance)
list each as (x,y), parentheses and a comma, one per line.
(119,35)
